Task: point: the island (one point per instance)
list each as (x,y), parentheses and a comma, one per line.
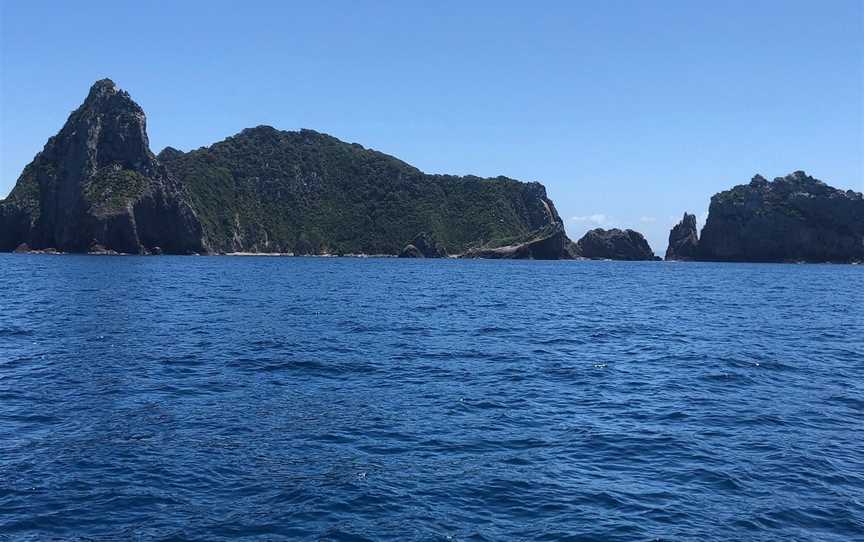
(97,187)
(795,218)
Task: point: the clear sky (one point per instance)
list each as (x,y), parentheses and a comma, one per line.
(630,112)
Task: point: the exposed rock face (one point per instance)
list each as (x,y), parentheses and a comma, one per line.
(614,244)
(550,243)
(423,246)
(683,240)
(97,185)
(793,218)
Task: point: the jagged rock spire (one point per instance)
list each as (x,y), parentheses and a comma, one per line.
(96,184)
(684,239)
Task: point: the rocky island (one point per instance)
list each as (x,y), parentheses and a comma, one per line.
(97,187)
(795,218)
(614,244)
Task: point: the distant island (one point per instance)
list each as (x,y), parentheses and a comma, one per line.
(96,187)
(793,218)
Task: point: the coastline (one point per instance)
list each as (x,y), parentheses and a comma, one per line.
(53,252)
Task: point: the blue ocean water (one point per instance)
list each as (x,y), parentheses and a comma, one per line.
(216,398)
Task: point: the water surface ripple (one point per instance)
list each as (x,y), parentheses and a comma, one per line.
(172,398)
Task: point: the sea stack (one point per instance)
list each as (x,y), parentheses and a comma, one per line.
(97,187)
(683,240)
(614,244)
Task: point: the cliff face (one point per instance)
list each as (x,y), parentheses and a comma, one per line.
(265,190)
(683,240)
(793,218)
(614,244)
(97,186)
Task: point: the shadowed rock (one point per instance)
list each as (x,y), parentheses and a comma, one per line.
(423,246)
(614,244)
(683,240)
(793,218)
(96,183)
(411,251)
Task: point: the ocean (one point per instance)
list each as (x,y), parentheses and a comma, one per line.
(278,398)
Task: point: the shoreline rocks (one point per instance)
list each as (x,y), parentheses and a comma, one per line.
(423,246)
(546,244)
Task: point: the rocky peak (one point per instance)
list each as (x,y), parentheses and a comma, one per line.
(108,129)
(102,88)
(758,180)
(169,153)
(262,130)
(684,239)
(689,221)
(801,182)
(96,184)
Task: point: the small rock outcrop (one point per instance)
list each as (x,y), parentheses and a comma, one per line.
(423,246)
(550,243)
(96,184)
(683,240)
(614,244)
(411,251)
(793,218)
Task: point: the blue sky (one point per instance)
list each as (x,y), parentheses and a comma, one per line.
(630,112)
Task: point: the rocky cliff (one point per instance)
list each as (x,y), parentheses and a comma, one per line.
(792,218)
(614,244)
(96,186)
(683,240)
